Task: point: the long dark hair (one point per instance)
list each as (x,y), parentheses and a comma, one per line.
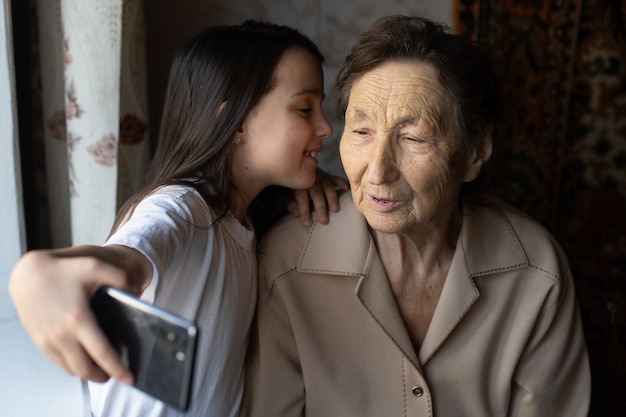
(464,69)
(215,81)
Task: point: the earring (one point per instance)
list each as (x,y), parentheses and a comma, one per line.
(239,140)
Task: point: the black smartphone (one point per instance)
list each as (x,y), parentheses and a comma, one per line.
(157,346)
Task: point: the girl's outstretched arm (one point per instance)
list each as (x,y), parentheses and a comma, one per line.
(51,291)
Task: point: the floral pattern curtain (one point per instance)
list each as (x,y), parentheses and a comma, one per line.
(94,110)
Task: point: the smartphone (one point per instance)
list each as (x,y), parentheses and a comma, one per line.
(157,346)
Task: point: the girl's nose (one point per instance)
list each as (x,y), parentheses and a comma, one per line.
(324,129)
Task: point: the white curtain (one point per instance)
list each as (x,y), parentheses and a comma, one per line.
(95,113)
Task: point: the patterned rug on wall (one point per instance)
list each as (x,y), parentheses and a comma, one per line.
(562,155)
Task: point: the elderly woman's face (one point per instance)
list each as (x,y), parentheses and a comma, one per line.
(400,150)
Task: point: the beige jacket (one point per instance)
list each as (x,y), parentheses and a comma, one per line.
(505,339)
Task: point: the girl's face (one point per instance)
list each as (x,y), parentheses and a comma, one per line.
(283,134)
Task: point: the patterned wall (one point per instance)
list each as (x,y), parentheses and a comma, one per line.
(563,159)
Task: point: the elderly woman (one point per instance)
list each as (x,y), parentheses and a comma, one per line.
(421,297)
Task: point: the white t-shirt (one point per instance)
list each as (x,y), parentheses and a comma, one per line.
(204,273)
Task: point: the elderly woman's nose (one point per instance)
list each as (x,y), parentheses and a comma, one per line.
(382,164)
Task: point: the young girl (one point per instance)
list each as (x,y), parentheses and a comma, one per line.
(243,111)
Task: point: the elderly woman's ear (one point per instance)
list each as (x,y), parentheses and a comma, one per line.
(479,155)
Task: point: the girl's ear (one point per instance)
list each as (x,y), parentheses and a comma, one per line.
(219,111)
(480,155)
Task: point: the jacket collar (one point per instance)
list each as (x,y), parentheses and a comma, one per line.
(345,247)
(487,244)
(341,247)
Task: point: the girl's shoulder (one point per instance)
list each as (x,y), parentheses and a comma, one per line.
(178,200)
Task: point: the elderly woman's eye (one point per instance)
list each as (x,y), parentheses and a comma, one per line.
(413,139)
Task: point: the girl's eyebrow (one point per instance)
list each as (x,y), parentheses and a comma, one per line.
(314,91)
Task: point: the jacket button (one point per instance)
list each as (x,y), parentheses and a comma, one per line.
(417,391)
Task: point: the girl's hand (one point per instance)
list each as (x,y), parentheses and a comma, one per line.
(51,291)
(324,194)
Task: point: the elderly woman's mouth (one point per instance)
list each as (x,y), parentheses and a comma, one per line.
(381,203)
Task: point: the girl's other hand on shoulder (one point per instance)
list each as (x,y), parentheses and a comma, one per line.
(321,197)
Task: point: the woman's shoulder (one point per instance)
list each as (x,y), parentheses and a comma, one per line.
(536,244)
(289,230)
(527,228)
